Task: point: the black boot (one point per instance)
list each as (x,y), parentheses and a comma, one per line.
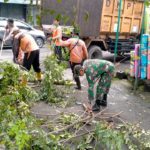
(78,88)
(77,80)
(103,102)
(96,106)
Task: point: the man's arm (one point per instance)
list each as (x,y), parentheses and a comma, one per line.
(90,89)
(64,43)
(20,55)
(8,36)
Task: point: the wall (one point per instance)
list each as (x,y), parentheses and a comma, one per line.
(21,1)
(13,11)
(26,13)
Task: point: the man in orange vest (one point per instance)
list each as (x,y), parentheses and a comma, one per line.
(29,47)
(78,53)
(56,35)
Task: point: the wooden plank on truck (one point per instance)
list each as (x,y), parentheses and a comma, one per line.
(89,17)
(131,17)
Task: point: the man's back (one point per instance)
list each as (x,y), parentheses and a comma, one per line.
(77,48)
(27,43)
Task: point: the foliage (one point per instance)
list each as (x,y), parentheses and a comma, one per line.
(129,136)
(65,54)
(9,75)
(52,66)
(147,3)
(86,143)
(18,128)
(5,1)
(53,73)
(68,119)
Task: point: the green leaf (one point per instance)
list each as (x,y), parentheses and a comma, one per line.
(5,1)
(147,3)
(59,1)
(86,16)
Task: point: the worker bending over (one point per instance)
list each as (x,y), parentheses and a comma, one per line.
(29,47)
(97,71)
(78,53)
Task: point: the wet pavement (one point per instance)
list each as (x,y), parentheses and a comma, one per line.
(134,107)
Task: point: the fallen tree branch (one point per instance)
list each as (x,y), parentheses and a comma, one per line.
(69,126)
(94,116)
(36,114)
(87,120)
(117,114)
(122,121)
(76,136)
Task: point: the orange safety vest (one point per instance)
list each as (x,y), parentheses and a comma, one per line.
(57,32)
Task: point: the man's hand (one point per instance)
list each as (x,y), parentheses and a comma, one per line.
(20,61)
(88,108)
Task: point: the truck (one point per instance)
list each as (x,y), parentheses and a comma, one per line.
(97,21)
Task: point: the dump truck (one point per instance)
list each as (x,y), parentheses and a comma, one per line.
(97,21)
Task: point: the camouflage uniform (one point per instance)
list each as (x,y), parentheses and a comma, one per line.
(100,71)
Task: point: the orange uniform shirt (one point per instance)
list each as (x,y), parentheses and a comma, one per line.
(77,53)
(57,33)
(27,44)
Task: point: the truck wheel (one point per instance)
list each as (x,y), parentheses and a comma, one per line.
(95,52)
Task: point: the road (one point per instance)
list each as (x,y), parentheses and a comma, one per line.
(135,107)
(7,54)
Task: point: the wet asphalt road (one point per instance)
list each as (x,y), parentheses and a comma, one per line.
(135,107)
(7,54)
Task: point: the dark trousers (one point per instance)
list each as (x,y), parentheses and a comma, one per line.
(15,49)
(76,78)
(33,60)
(58,52)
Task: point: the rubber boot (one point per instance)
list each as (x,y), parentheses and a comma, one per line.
(103,102)
(96,106)
(39,76)
(24,81)
(77,80)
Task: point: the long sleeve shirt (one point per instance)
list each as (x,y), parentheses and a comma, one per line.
(77,48)
(94,68)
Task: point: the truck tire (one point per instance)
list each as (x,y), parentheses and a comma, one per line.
(95,52)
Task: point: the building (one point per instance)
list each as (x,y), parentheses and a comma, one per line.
(27,10)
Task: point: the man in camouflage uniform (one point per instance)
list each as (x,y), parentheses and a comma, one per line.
(100,71)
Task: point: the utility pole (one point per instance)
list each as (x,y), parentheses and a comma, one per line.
(118,28)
